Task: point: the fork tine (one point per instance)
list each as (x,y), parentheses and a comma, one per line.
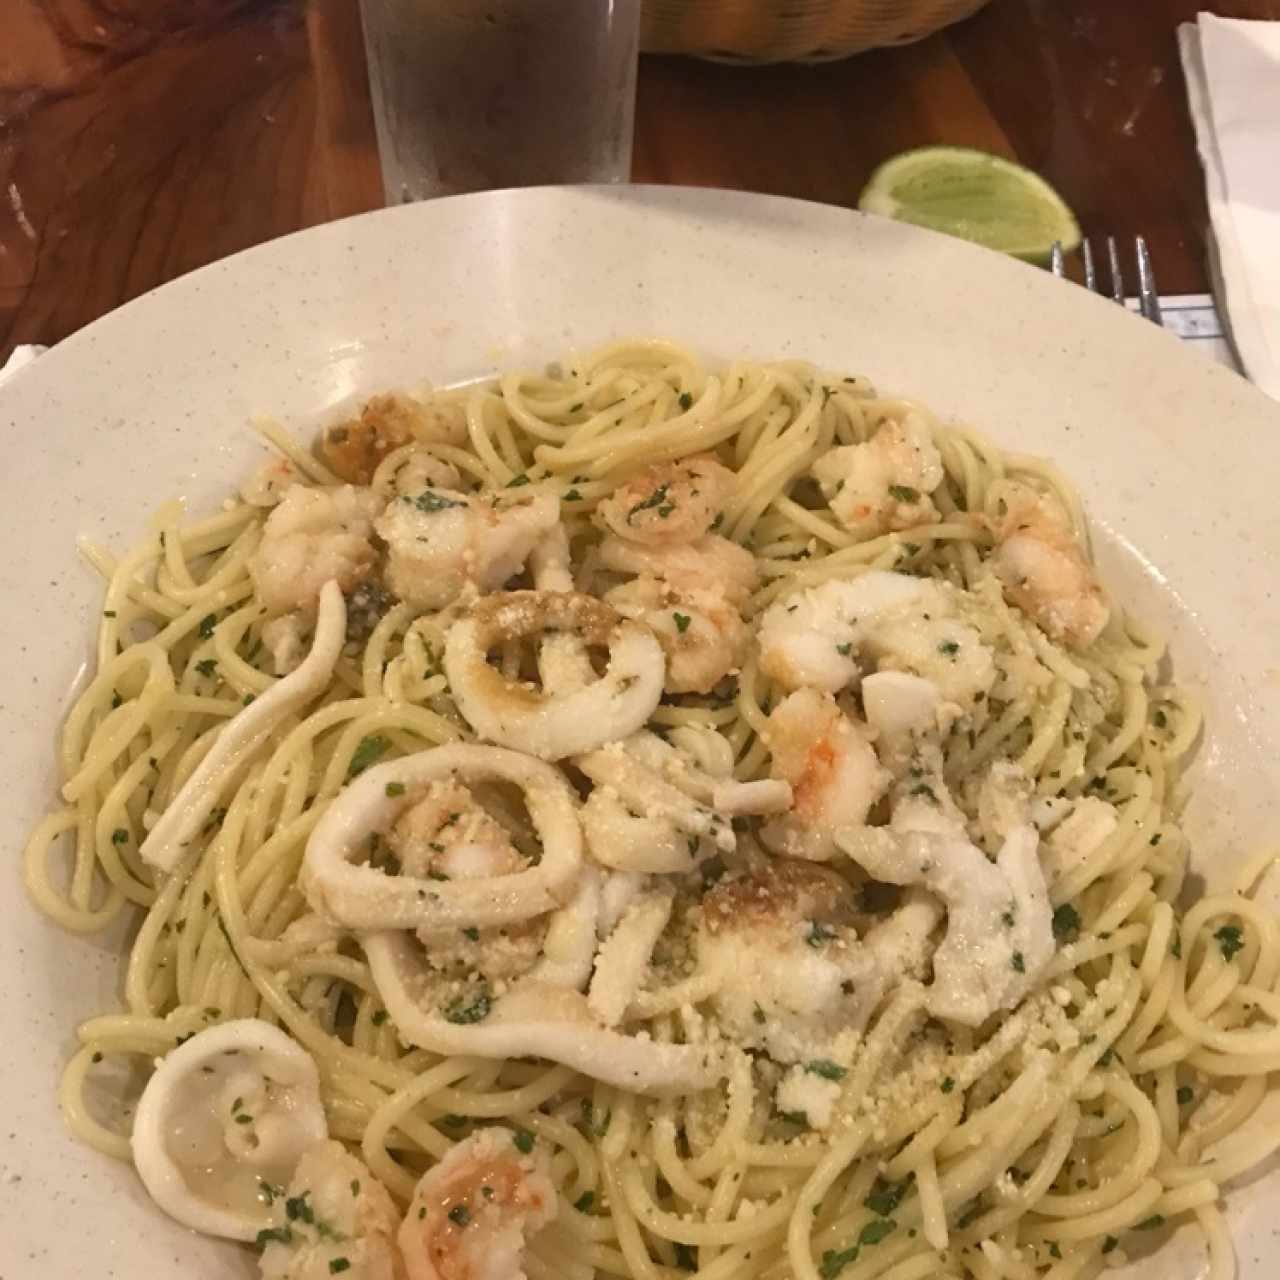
(1117,277)
(1090,270)
(1056,265)
(1148,294)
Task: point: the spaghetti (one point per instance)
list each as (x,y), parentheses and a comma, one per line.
(1102,1091)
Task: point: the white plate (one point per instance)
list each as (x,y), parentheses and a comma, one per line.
(1177,460)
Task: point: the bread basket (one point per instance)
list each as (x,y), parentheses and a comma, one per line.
(792,30)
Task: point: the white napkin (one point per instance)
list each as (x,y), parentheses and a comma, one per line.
(1233,84)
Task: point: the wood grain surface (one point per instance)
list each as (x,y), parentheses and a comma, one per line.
(140,139)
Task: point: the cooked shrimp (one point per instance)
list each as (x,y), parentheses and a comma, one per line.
(336,1218)
(1046,573)
(702,635)
(312,537)
(711,563)
(446,833)
(354,448)
(472,1215)
(884,484)
(441,540)
(669,503)
(832,769)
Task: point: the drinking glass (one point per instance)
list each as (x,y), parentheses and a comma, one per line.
(474,94)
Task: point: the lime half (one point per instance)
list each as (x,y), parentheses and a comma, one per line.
(974,195)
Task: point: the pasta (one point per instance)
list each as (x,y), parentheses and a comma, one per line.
(730,788)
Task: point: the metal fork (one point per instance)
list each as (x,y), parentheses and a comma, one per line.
(1148,295)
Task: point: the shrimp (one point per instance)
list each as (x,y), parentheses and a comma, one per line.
(442,540)
(671,503)
(832,769)
(354,448)
(336,1218)
(472,1215)
(313,536)
(885,483)
(712,563)
(1046,573)
(702,635)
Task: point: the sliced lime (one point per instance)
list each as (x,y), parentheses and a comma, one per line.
(974,195)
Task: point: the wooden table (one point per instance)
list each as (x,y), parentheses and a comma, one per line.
(142,138)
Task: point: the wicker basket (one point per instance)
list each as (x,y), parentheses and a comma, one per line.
(792,30)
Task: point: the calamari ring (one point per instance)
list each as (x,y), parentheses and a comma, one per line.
(532,1020)
(366,898)
(553,725)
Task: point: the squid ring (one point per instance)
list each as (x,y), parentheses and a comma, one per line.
(553,725)
(363,897)
(532,1020)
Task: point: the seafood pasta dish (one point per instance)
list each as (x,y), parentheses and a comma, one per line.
(636,818)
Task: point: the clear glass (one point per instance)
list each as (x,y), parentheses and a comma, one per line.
(471,95)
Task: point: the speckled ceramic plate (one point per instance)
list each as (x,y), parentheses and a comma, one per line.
(1177,459)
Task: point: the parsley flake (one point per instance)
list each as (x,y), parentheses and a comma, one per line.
(682,621)
(904,493)
(1230,939)
(366,753)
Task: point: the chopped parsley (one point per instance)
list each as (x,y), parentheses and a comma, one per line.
(395,788)
(1066,921)
(207,624)
(267,1235)
(119,836)
(656,499)
(904,493)
(885,1197)
(517,482)
(758,1015)
(1007,918)
(1159,719)
(834,1261)
(949,648)
(355,1186)
(1185,1094)
(1054,1251)
(682,621)
(297,1209)
(462,1014)
(366,753)
(876,1231)
(584,1202)
(1231,939)
(207,667)
(379,1017)
(338,1264)
(429,502)
(844,650)
(108,613)
(948,1083)
(1018,963)
(818,934)
(460,1214)
(1151,1223)
(472,933)
(116,699)
(524,1140)
(686,399)
(573,496)
(269,1192)
(825,1068)
(1109,1243)
(924,789)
